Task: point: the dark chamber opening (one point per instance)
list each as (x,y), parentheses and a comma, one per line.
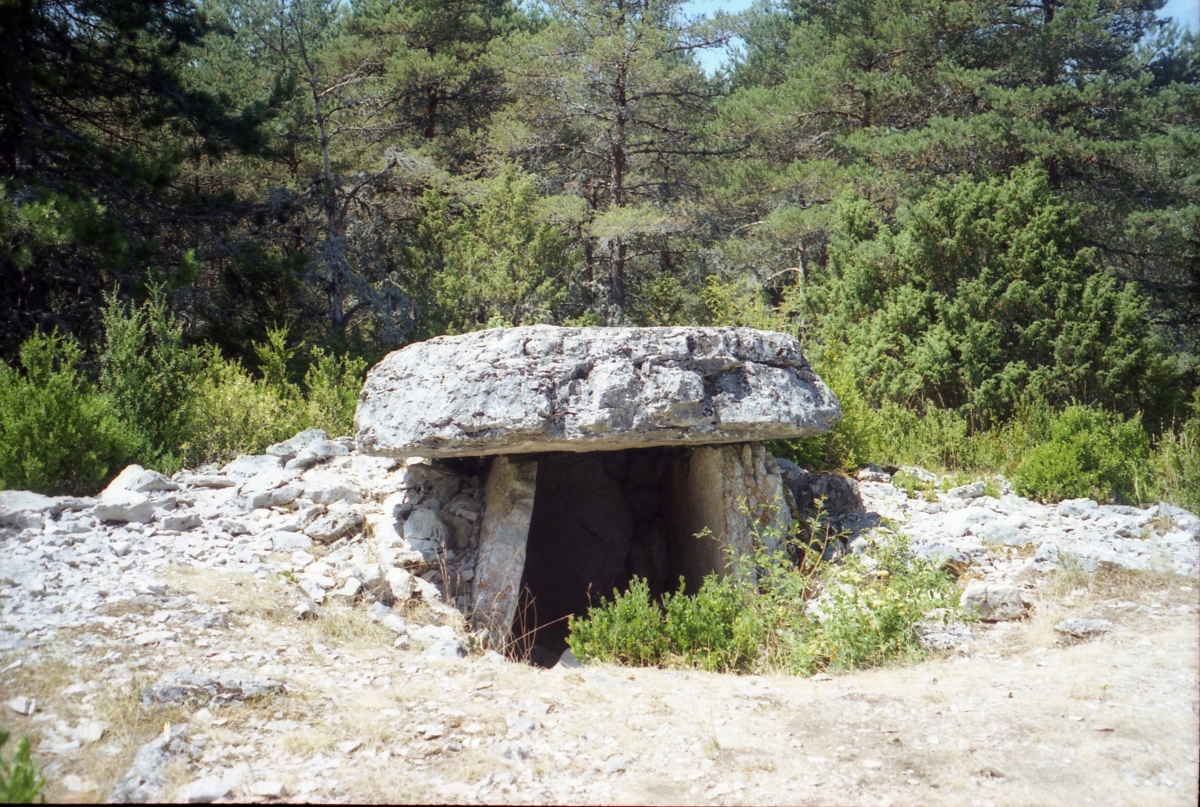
(598,521)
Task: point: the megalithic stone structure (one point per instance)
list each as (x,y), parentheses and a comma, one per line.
(669,420)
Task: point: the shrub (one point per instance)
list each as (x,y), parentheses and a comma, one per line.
(149,376)
(1176,462)
(1090,453)
(57,434)
(625,630)
(870,608)
(333,385)
(20,782)
(771,615)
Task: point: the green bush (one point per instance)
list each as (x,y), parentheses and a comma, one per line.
(1176,462)
(149,376)
(869,610)
(625,630)
(20,782)
(1090,453)
(57,433)
(771,615)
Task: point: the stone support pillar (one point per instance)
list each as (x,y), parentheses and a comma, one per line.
(507,510)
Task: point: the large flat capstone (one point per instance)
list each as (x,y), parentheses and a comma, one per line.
(545,388)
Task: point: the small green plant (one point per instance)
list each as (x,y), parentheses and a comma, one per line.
(20,782)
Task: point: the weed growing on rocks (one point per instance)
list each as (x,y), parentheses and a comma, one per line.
(773,614)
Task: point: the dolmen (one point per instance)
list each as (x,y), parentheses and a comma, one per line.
(547,467)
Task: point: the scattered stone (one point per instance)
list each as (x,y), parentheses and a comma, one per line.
(124,506)
(873,473)
(203,791)
(23,705)
(952,636)
(334,524)
(994,603)
(387,617)
(307,609)
(181,522)
(446,649)
(972,491)
(290,541)
(153,637)
(401,585)
(326,487)
(248,466)
(348,746)
(1084,628)
(268,789)
(77,784)
(291,447)
(188,689)
(349,592)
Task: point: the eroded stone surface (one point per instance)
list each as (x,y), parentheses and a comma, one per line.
(507,511)
(728,492)
(544,388)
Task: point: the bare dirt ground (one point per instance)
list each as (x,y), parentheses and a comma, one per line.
(1018,718)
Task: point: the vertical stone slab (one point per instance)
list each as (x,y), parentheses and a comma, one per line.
(507,510)
(725,490)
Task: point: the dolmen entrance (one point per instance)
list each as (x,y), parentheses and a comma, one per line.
(548,466)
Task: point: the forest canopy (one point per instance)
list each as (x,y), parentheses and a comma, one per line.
(972,206)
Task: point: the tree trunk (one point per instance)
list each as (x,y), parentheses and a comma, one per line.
(616,181)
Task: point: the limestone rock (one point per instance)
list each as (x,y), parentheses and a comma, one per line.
(994,603)
(24,510)
(291,447)
(1084,628)
(180,689)
(139,480)
(124,505)
(144,780)
(203,791)
(333,524)
(273,488)
(544,388)
(250,465)
(972,491)
(508,509)
(319,451)
(326,487)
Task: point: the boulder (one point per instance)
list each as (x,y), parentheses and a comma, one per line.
(139,480)
(124,505)
(994,603)
(545,388)
(293,446)
(839,493)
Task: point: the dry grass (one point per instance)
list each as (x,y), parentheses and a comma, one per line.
(241,592)
(128,725)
